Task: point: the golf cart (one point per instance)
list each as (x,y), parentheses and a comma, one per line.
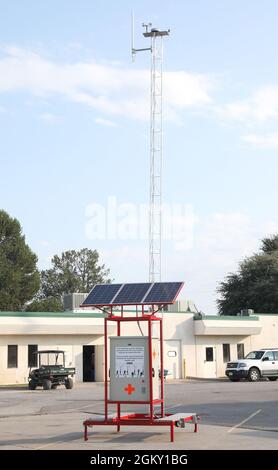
(51,371)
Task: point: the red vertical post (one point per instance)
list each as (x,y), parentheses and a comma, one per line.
(118,404)
(85,432)
(161,367)
(105,372)
(172,427)
(150,366)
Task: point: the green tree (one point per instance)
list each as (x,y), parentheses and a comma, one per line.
(255,285)
(50,304)
(73,271)
(19,277)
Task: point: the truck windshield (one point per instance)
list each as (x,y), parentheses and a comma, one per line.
(255,355)
(51,359)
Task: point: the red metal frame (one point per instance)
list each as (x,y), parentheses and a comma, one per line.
(136,419)
(149,318)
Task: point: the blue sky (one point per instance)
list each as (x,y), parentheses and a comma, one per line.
(74,129)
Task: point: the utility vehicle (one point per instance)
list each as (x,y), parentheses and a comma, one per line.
(50,371)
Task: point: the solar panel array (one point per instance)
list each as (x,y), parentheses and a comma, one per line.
(102,294)
(163,292)
(133,294)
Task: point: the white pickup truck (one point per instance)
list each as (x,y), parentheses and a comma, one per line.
(257,364)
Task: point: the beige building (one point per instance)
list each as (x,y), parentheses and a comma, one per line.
(195,345)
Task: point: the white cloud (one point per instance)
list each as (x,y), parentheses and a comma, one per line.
(263,141)
(221,231)
(262,106)
(49,117)
(184,89)
(105,122)
(109,88)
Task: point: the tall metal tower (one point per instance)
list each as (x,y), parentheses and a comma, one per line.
(156,134)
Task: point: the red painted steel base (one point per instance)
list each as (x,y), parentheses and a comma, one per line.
(153,418)
(138,419)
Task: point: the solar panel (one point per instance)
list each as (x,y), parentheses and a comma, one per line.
(102,294)
(146,293)
(163,292)
(132,293)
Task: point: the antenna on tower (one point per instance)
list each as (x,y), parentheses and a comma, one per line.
(155,225)
(133,53)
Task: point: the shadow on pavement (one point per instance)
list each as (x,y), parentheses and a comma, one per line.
(41,440)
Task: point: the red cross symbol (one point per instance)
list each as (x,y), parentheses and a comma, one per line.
(129,389)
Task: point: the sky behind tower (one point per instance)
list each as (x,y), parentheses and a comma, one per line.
(74,130)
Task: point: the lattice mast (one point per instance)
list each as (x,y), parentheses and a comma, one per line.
(156,145)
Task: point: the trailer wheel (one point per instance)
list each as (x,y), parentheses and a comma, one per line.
(68,383)
(47,384)
(32,385)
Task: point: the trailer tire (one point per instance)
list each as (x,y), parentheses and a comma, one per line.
(47,384)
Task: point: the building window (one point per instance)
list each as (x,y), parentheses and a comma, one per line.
(240,351)
(32,358)
(12,356)
(226,353)
(209,354)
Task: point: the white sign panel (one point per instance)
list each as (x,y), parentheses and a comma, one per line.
(129,361)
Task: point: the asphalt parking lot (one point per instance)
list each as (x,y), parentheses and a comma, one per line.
(238,415)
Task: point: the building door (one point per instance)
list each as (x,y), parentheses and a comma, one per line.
(172,358)
(209,362)
(88,363)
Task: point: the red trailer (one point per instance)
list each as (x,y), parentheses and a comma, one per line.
(147,299)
